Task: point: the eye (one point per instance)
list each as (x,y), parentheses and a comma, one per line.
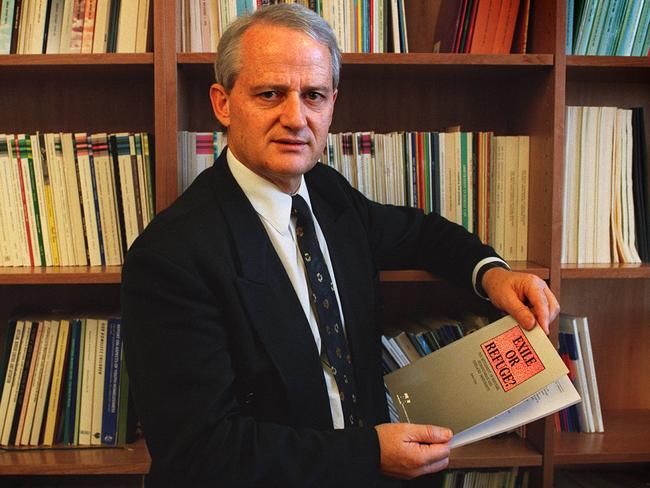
(314,96)
(268,95)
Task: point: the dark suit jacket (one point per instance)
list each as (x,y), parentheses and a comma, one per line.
(226,377)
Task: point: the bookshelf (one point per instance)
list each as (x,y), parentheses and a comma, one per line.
(164,91)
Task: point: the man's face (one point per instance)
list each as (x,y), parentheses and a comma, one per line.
(280,108)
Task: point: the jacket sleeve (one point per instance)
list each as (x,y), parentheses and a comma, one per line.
(179,360)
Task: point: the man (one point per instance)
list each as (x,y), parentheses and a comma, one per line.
(238,377)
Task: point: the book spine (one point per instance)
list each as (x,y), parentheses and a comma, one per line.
(27,210)
(12,368)
(86,407)
(37,381)
(98,383)
(88,28)
(7,429)
(111,392)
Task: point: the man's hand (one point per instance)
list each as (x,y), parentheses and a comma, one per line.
(524,296)
(410,450)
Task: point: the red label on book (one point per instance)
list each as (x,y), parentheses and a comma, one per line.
(512,358)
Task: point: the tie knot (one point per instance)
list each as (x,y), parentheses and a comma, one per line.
(299,207)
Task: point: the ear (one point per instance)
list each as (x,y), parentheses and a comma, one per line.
(220,103)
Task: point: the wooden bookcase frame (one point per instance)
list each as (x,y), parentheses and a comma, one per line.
(166,91)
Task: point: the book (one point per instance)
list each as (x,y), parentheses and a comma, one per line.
(41,354)
(569,334)
(99,373)
(8,429)
(17,332)
(58,370)
(46,378)
(590,370)
(112,383)
(87,382)
(503,376)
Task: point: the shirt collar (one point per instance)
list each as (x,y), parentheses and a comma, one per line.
(271,204)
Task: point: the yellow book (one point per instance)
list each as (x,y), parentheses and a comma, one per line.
(57,378)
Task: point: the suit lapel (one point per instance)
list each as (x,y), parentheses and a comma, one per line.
(273,307)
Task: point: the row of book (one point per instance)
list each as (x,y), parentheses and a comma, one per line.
(197,151)
(486,478)
(420,337)
(63,382)
(606,196)
(74,26)
(608,27)
(575,350)
(360,26)
(482,26)
(477,180)
(73,199)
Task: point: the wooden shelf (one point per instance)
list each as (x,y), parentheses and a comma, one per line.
(416,275)
(133,459)
(591,271)
(506,451)
(625,440)
(61,275)
(74,59)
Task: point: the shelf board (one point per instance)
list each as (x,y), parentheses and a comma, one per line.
(497,452)
(425,59)
(32,60)
(618,270)
(410,275)
(61,275)
(625,440)
(608,68)
(85,64)
(133,459)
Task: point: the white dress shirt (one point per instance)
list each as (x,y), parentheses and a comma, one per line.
(274,209)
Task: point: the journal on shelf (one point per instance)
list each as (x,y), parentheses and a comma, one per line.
(491,381)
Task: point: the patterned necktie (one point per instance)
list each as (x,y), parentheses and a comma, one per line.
(327,309)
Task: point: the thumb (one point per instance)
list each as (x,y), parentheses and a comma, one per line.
(431,434)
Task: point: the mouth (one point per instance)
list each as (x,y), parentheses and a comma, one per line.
(290,142)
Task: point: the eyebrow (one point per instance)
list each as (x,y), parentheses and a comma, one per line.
(281,87)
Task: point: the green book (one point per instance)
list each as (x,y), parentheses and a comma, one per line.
(598,26)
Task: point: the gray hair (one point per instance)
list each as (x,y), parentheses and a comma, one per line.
(293,16)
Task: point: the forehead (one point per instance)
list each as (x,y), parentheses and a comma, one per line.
(269,52)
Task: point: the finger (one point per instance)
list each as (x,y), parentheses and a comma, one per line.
(433,434)
(554,305)
(540,306)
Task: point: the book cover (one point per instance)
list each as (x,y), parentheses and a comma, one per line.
(487,372)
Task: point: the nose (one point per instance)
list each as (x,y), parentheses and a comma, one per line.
(293,115)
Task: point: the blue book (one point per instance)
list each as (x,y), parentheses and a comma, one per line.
(6,25)
(71,382)
(570,8)
(112,382)
(244,6)
(641,38)
(611,28)
(585,24)
(435,171)
(630,22)
(598,27)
